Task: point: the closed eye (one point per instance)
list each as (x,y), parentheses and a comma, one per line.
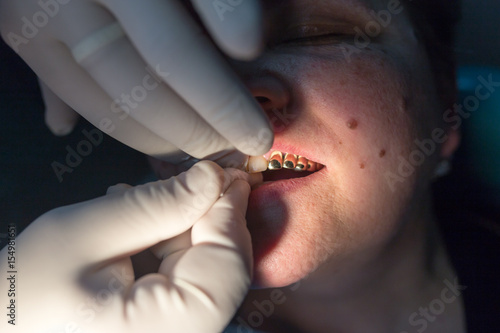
(315,35)
(317,39)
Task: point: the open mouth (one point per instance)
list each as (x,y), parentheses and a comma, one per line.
(282,166)
(272,175)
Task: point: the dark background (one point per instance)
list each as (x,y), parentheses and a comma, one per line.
(29,187)
(28,184)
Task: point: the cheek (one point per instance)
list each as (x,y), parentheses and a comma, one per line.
(366,111)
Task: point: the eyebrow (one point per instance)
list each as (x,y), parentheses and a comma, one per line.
(359,6)
(364,5)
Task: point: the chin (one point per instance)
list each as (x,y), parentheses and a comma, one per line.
(284,221)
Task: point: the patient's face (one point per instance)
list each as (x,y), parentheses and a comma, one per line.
(346,84)
(354,105)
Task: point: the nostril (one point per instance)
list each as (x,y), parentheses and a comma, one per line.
(262,99)
(270,92)
(264,102)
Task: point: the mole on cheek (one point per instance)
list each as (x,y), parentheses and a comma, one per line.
(352,124)
(382,153)
(361,165)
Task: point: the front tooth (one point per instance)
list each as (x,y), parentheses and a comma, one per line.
(276,161)
(290,161)
(256,164)
(301,164)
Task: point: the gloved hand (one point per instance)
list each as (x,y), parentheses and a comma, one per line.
(74,270)
(145,72)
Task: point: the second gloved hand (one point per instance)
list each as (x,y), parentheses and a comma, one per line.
(75,273)
(144,72)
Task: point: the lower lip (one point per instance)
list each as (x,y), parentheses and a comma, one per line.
(286,185)
(267,217)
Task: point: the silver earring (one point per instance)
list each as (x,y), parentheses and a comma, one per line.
(443,168)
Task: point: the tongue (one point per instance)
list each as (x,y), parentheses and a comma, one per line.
(271,176)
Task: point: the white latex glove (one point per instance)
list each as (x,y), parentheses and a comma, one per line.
(145,72)
(74,272)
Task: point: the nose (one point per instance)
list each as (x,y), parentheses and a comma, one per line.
(273,95)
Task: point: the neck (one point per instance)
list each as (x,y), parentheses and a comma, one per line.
(368,296)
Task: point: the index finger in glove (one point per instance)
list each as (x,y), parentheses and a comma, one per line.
(236,26)
(126,222)
(167,38)
(59,117)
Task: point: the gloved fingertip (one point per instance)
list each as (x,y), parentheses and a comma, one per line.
(118,188)
(236,28)
(259,150)
(247,50)
(205,177)
(258,142)
(241,188)
(231,175)
(60,130)
(255,179)
(59,122)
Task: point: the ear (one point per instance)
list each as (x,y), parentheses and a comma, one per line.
(447,88)
(451,144)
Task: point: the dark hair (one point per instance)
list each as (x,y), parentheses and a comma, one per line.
(435,22)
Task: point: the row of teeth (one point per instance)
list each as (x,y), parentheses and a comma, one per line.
(279,160)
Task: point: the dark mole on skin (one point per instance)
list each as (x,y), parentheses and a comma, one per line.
(382,153)
(352,124)
(362,165)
